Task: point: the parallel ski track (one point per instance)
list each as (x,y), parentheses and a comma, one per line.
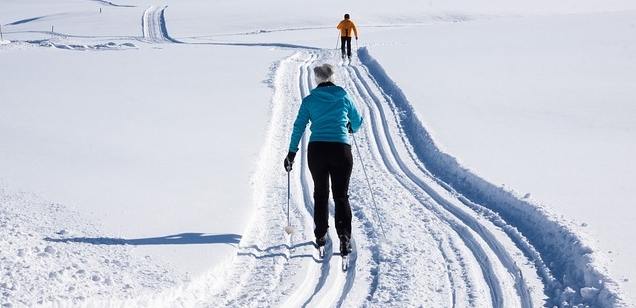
(412,174)
(153,25)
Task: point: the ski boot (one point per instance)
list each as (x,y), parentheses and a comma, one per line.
(345,250)
(320,242)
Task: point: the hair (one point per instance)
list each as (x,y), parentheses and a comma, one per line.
(346,16)
(324,73)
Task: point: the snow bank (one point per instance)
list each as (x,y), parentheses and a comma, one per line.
(565,261)
(52,257)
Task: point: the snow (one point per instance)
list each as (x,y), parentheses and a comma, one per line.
(141,149)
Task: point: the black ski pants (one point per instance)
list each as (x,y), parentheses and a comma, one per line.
(345,40)
(331,161)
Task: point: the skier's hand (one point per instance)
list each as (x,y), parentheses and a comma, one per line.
(349,129)
(289,161)
(356,38)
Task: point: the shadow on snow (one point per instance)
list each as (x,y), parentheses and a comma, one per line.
(177,239)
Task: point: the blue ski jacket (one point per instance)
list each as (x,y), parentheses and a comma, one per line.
(329,108)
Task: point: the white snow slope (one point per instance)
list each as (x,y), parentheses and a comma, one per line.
(141,151)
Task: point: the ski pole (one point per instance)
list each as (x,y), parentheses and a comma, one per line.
(375,206)
(289,229)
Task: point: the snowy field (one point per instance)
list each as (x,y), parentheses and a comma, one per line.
(141,149)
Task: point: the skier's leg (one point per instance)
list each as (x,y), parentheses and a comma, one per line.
(343,216)
(349,47)
(342,165)
(343,42)
(321,212)
(318,166)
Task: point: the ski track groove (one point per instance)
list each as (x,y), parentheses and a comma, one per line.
(379,130)
(461,230)
(467,220)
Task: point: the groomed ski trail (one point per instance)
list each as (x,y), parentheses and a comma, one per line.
(436,250)
(153,25)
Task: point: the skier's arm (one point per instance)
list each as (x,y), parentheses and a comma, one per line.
(354,116)
(299,128)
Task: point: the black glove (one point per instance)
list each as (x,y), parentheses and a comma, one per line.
(349,128)
(289,161)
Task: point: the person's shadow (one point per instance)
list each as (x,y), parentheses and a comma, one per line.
(177,239)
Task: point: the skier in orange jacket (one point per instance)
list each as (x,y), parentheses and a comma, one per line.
(347,29)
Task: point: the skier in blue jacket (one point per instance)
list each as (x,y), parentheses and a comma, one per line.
(332,115)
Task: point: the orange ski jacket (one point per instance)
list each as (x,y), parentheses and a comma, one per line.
(347,28)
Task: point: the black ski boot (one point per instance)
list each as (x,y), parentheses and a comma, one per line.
(322,240)
(345,245)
